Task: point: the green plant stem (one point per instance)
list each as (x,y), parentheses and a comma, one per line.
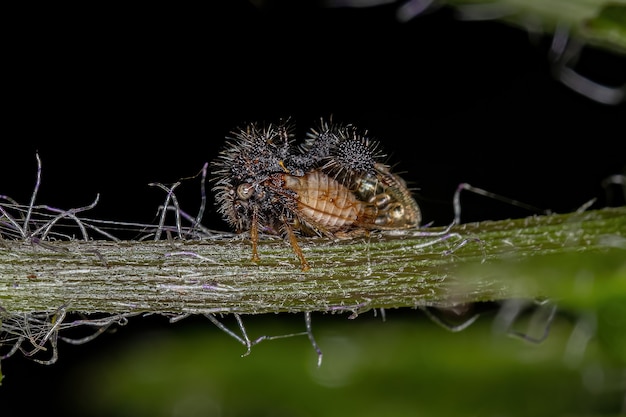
(217,275)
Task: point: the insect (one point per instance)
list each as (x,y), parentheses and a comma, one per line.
(331,185)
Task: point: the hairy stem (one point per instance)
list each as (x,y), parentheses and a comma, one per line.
(409,269)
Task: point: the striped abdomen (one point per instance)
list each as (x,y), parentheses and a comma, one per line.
(324,201)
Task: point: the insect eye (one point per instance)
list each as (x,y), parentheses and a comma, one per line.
(245,191)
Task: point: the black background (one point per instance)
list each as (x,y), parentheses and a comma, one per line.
(113,99)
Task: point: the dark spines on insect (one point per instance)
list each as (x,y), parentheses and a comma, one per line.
(254,151)
(331,184)
(342,151)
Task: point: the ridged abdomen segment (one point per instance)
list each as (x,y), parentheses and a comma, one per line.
(324,201)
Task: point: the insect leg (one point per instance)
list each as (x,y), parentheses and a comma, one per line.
(254,236)
(296,248)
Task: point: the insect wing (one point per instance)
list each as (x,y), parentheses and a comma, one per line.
(389,203)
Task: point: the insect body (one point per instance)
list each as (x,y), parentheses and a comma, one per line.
(331,186)
(323,203)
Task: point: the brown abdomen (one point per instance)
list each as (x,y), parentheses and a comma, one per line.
(324,201)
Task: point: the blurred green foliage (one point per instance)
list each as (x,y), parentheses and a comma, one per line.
(601,23)
(608,28)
